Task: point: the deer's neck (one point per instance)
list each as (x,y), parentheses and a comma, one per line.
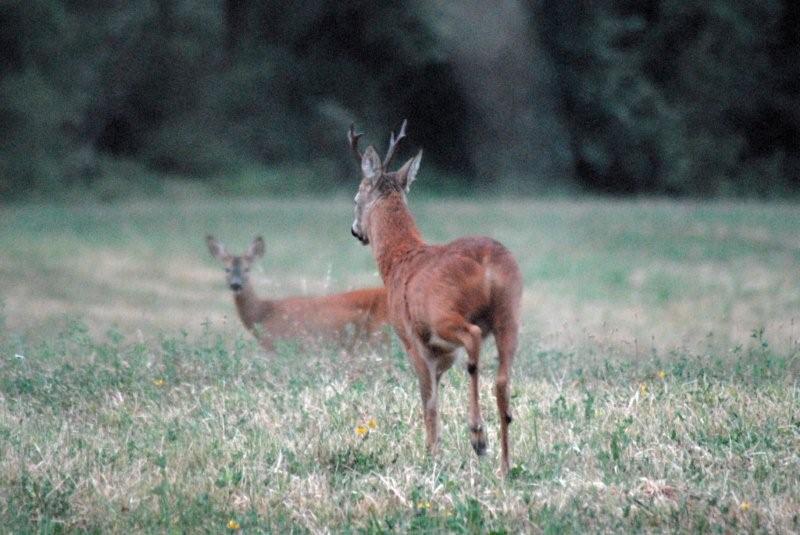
(393,233)
(251,309)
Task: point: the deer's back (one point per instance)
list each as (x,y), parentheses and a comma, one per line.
(470,277)
(329,314)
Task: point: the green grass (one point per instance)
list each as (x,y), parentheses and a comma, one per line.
(656,388)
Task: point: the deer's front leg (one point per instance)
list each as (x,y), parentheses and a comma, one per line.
(429,391)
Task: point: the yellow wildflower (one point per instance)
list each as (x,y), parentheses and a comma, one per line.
(745,506)
(361,430)
(372,423)
(643,389)
(423,505)
(662,374)
(159,382)
(233,524)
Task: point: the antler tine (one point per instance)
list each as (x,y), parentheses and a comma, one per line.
(393,143)
(353,138)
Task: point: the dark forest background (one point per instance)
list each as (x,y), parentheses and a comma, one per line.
(658,97)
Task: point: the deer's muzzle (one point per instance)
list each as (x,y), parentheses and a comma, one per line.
(363,239)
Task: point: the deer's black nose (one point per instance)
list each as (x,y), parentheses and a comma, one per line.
(235,286)
(360,237)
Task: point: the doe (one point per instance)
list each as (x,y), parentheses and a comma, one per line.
(440,297)
(348,318)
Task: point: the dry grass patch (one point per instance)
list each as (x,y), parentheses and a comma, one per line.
(655,389)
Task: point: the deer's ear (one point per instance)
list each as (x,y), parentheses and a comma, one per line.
(216,248)
(256,249)
(408,173)
(371,166)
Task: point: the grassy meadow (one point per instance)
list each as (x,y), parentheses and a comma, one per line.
(656,386)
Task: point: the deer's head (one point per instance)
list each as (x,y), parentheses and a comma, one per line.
(237,268)
(377,181)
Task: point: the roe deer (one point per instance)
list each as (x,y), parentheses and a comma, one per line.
(347,318)
(440,297)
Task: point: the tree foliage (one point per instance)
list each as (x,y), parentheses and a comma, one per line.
(658,97)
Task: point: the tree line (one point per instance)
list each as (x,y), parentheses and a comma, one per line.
(685,98)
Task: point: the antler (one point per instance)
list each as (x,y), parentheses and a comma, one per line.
(393,143)
(353,138)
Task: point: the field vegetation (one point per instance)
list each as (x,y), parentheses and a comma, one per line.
(656,387)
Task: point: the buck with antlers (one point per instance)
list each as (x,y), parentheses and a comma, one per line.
(440,297)
(348,319)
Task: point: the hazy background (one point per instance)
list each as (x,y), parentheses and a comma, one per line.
(684,98)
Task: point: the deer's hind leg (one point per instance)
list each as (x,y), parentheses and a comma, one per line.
(506,341)
(469,336)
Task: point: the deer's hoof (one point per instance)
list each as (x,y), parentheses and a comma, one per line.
(478,439)
(479,446)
